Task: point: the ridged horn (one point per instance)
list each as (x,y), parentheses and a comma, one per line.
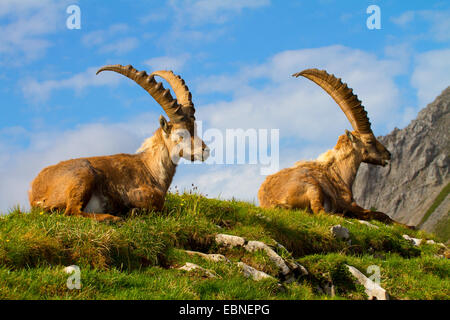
(343,95)
(180,89)
(155,89)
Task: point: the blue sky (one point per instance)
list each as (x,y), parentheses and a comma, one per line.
(236,57)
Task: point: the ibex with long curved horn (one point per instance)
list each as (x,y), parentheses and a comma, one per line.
(98,187)
(326,183)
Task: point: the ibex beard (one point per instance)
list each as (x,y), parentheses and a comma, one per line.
(326,183)
(106,187)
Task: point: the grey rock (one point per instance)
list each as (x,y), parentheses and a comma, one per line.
(230,241)
(193,267)
(253,273)
(297,266)
(252,246)
(418,171)
(289,268)
(414,241)
(340,232)
(214,257)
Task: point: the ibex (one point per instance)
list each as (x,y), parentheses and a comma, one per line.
(326,183)
(106,186)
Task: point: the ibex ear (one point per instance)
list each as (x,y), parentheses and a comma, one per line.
(164,124)
(350,136)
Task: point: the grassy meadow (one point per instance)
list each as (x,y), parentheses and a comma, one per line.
(138,257)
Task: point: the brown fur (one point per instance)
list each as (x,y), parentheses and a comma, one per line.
(326,184)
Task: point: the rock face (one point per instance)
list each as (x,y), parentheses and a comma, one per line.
(418,172)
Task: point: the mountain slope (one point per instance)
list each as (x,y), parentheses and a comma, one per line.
(145,256)
(413,188)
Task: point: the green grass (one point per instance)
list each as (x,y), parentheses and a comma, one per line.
(442,229)
(138,257)
(436,203)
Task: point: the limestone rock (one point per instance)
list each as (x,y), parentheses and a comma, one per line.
(193,267)
(230,241)
(297,267)
(251,272)
(373,290)
(214,257)
(252,246)
(340,232)
(414,241)
(289,268)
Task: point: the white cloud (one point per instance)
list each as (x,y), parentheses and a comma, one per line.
(431,75)
(197,12)
(188,18)
(154,17)
(41,91)
(439,23)
(404,19)
(298,107)
(174,63)
(99,37)
(111,40)
(25,26)
(121,46)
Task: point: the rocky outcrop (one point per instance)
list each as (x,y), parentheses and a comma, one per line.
(418,172)
(289,269)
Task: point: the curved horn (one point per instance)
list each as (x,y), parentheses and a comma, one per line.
(343,95)
(154,88)
(180,89)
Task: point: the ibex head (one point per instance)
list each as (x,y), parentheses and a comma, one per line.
(362,138)
(179,133)
(371,150)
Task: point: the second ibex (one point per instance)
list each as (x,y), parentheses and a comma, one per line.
(326,184)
